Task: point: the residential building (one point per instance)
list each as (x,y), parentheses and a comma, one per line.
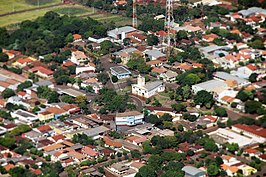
(154,54)
(42,72)
(147,90)
(120,72)
(45,115)
(78,57)
(129,118)
(168,76)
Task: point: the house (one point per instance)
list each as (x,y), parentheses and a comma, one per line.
(255,132)
(168,76)
(126,54)
(111,143)
(41,71)
(120,72)
(97,132)
(209,37)
(191,171)
(54,147)
(89,152)
(57,112)
(77,37)
(129,118)
(147,90)
(138,37)
(47,83)
(120,33)
(228,100)
(76,156)
(154,54)
(136,139)
(93,82)
(22,62)
(154,63)
(90,67)
(121,169)
(57,138)
(45,115)
(78,57)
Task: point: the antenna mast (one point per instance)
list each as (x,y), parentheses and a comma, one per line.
(134,16)
(169,20)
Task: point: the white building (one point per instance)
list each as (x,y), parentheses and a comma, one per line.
(78,57)
(90,67)
(147,90)
(129,118)
(255,132)
(24,116)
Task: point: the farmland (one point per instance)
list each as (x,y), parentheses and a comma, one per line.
(8,6)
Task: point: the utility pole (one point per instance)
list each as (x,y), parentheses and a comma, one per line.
(38,2)
(134,16)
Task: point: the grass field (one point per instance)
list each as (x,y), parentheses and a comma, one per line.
(64,9)
(117,19)
(7,6)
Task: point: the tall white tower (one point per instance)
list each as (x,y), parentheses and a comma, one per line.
(169,23)
(134,15)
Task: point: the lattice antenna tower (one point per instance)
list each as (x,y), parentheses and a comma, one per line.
(134,16)
(169,23)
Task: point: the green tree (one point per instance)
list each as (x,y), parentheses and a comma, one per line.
(253,77)
(83,139)
(103,78)
(213,169)
(135,154)
(114,79)
(146,171)
(244,95)
(252,107)
(152,40)
(257,44)
(220,111)
(203,98)
(69,38)
(3,57)
(8,93)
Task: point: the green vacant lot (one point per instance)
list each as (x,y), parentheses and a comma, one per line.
(117,19)
(31,15)
(7,6)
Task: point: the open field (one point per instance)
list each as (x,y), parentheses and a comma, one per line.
(8,6)
(117,19)
(31,15)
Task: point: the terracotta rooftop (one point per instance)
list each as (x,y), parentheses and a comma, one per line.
(44,128)
(254,129)
(112,143)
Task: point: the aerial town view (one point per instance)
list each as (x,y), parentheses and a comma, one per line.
(132,88)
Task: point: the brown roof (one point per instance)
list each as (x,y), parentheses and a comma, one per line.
(44,128)
(76,155)
(53,147)
(55,110)
(254,129)
(9,166)
(76,36)
(58,137)
(154,62)
(110,142)
(129,113)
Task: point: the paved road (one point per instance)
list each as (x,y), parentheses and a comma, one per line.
(139,102)
(234,115)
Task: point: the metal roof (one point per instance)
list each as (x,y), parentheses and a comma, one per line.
(155,53)
(120,70)
(192,170)
(227,76)
(96,131)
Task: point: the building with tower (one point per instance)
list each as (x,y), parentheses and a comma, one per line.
(147,90)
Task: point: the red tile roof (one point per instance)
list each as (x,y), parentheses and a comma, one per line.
(251,67)
(20,93)
(254,129)
(161,33)
(76,36)
(42,70)
(44,128)
(89,151)
(110,142)
(58,137)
